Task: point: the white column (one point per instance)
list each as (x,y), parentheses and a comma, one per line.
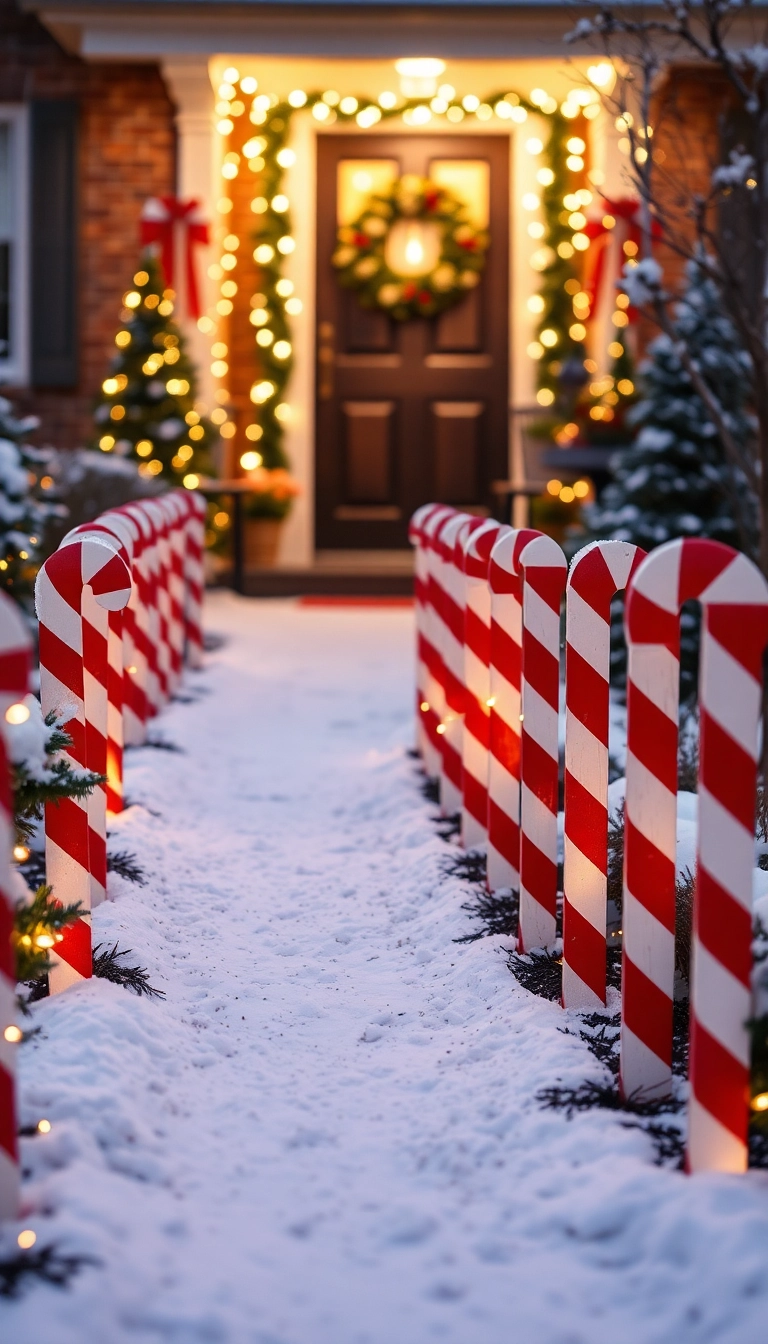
(190,87)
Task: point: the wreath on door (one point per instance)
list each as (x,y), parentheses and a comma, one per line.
(411,252)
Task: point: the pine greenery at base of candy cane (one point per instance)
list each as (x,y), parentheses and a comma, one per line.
(544,569)
(15,648)
(597,573)
(477,548)
(76,588)
(505,583)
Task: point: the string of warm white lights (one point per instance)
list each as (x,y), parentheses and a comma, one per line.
(558,227)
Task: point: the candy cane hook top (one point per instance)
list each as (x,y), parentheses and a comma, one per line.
(544,568)
(15,648)
(506,588)
(734,599)
(75,589)
(597,573)
(477,548)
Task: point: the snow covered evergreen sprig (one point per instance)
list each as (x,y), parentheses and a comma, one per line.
(23,512)
(40,773)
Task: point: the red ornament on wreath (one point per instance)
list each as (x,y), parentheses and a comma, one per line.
(412,252)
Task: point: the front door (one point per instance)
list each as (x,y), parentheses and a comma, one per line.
(408,412)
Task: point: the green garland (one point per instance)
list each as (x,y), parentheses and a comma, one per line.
(360,256)
(268,155)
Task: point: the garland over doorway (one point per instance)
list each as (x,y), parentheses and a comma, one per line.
(562,196)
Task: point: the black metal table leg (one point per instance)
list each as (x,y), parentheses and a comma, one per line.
(238,543)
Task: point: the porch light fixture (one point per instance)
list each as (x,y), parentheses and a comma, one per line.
(412,247)
(419,75)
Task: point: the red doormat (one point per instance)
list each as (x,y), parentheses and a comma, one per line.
(320,600)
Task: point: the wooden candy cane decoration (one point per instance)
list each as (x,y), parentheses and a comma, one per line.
(194,577)
(426,719)
(506,586)
(146,700)
(598,572)
(734,599)
(75,589)
(15,646)
(451,539)
(435,627)
(117,530)
(544,570)
(477,652)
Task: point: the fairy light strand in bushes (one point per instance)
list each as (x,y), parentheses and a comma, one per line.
(255,127)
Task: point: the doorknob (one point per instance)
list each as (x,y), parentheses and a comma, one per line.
(326,358)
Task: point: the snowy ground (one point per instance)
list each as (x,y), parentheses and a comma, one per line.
(328,1132)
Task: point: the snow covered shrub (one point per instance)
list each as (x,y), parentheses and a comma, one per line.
(24,510)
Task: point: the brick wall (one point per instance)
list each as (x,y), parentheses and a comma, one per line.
(127,152)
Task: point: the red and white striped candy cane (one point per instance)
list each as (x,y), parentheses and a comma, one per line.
(734,600)
(194,572)
(452,535)
(436,628)
(118,531)
(506,586)
(15,646)
(145,701)
(544,571)
(478,545)
(426,719)
(175,508)
(160,562)
(76,587)
(597,573)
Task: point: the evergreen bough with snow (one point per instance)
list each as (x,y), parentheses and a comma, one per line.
(148,409)
(674,479)
(23,512)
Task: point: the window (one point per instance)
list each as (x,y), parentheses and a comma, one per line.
(13,246)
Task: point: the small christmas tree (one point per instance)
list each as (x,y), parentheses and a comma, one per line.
(148,408)
(23,511)
(674,479)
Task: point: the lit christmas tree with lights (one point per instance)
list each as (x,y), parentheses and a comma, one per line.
(148,409)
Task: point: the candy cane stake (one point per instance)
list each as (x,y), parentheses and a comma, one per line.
(543,567)
(506,587)
(478,545)
(75,589)
(144,702)
(452,536)
(426,719)
(435,696)
(438,695)
(195,577)
(597,573)
(119,532)
(15,646)
(734,599)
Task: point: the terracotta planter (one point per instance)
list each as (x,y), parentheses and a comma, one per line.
(262,541)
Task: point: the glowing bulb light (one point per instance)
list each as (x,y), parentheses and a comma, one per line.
(16,714)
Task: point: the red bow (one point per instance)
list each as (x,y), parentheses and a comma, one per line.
(160,217)
(626,214)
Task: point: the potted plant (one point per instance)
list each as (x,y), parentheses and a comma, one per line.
(265,511)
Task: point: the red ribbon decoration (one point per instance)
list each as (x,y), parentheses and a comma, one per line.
(626,212)
(160,217)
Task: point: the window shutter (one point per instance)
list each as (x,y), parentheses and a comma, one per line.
(54,243)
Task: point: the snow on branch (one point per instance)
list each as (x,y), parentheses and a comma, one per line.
(739,169)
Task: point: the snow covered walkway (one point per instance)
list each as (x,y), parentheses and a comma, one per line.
(328,1133)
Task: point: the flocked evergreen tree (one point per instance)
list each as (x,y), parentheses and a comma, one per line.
(23,509)
(148,407)
(674,479)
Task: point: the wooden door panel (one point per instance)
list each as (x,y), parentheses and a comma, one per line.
(458,433)
(414,411)
(369,432)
